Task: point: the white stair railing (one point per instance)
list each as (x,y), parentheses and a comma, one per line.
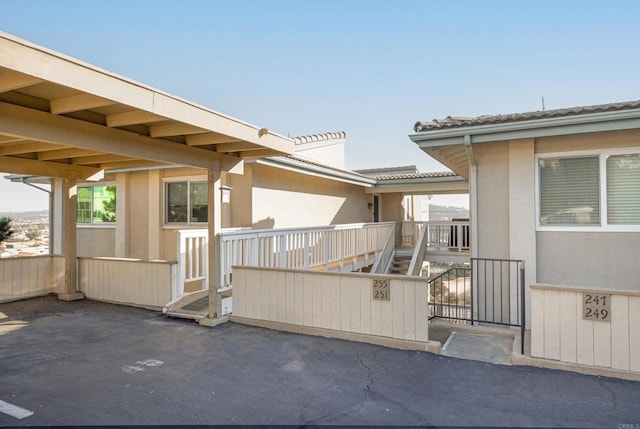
(328,247)
(441,235)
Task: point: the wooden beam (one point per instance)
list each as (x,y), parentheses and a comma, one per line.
(27,147)
(99,159)
(33,167)
(29,59)
(236,147)
(12,81)
(261,153)
(76,103)
(10,139)
(175,129)
(130,164)
(209,138)
(65,153)
(133,117)
(42,126)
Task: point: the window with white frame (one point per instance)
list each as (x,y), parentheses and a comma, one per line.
(186,202)
(594,189)
(96,205)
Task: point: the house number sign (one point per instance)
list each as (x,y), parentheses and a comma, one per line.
(380,289)
(596,307)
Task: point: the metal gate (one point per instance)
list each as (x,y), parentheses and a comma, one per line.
(491,291)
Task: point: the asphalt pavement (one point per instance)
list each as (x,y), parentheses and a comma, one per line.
(90,363)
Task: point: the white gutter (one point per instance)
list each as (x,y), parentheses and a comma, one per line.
(316,170)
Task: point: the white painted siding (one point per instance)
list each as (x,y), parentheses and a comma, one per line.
(31,276)
(127,281)
(559,332)
(332,302)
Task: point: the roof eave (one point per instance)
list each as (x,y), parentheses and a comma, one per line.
(316,170)
(577,124)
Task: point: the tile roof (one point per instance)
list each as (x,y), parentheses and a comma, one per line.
(434,175)
(460,122)
(312,138)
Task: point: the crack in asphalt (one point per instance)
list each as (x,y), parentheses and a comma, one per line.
(614,399)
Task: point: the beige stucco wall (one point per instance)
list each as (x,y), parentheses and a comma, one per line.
(283,199)
(493,199)
(391,210)
(95,241)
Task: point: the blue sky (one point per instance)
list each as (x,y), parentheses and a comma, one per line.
(370,68)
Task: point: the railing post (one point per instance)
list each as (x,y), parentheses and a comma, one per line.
(307,250)
(523,306)
(182,249)
(254,251)
(474,284)
(283,251)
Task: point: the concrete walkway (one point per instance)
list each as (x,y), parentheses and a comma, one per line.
(88,363)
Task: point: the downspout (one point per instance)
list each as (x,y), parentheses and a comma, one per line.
(24,181)
(473,195)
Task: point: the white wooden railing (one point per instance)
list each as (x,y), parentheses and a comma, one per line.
(193,259)
(343,247)
(441,235)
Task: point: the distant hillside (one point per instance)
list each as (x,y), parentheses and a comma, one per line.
(437,212)
(26,216)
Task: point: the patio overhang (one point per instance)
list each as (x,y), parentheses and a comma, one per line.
(61,117)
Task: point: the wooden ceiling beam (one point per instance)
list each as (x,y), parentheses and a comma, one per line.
(42,126)
(66,153)
(175,129)
(237,147)
(99,159)
(27,147)
(32,167)
(133,117)
(10,139)
(209,138)
(75,103)
(12,80)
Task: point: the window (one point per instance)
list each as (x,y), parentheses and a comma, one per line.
(569,191)
(96,204)
(595,189)
(623,189)
(186,202)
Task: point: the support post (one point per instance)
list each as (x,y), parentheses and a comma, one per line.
(214,225)
(71,292)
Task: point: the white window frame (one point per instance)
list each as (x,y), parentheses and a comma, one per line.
(602,154)
(92,224)
(187,179)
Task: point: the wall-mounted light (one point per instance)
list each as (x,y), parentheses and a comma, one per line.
(226,194)
(370,206)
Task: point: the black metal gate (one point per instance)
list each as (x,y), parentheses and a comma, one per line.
(490,291)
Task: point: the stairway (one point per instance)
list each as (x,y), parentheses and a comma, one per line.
(400,265)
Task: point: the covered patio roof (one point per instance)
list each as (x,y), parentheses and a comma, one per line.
(61,117)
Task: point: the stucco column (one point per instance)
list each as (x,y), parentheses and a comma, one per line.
(522,221)
(71,292)
(214,226)
(122,224)
(56,234)
(154,215)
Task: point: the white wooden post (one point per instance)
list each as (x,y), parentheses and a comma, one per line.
(213,226)
(71,292)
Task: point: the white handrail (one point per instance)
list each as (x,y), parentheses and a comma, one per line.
(440,234)
(323,247)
